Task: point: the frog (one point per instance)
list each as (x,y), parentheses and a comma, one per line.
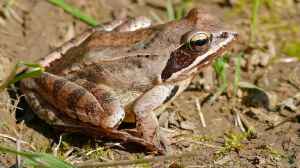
(124,71)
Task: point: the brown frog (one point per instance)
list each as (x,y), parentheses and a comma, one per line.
(126,68)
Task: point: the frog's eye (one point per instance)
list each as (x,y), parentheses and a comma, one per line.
(198,41)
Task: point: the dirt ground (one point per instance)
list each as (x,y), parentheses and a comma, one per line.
(35,27)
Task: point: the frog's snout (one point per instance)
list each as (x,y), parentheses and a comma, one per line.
(227,34)
(223,38)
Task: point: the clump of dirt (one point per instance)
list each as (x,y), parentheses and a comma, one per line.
(258,126)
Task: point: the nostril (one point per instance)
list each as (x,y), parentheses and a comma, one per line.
(235,34)
(224,35)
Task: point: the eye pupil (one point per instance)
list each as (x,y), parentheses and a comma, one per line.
(199,42)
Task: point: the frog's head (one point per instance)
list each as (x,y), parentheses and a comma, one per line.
(202,42)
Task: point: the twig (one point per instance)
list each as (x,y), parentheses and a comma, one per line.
(18,143)
(11,106)
(15,140)
(137,161)
(68,155)
(202,119)
(291,118)
(206,145)
(243,124)
(55,150)
(93,151)
(198,143)
(239,121)
(18,157)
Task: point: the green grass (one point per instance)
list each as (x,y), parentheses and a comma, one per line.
(179,11)
(170,10)
(220,68)
(77,13)
(254,19)
(34,70)
(292,49)
(233,142)
(37,160)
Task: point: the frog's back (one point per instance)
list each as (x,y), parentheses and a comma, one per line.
(131,60)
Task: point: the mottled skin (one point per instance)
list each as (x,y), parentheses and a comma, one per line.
(91,82)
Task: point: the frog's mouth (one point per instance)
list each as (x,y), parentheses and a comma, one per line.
(182,62)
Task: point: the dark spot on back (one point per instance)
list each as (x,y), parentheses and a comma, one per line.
(91,109)
(74,97)
(58,84)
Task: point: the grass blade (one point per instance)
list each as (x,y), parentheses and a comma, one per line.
(34,70)
(74,12)
(220,90)
(292,49)
(37,159)
(170,10)
(220,68)
(255,8)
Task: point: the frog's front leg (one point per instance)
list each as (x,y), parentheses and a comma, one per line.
(146,105)
(146,121)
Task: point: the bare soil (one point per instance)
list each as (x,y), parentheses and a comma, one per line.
(37,27)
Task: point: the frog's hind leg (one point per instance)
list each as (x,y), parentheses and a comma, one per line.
(37,104)
(53,117)
(78,106)
(76,101)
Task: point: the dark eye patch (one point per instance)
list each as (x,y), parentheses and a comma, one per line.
(194,45)
(178,60)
